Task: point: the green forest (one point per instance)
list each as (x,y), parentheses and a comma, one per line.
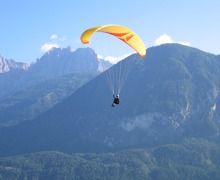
(190,159)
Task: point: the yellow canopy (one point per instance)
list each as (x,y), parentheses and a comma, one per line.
(121,32)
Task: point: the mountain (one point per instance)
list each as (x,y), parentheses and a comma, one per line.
(55,63)
(58,62)
(34,100)
(27,92)
(7,65)
(170,95)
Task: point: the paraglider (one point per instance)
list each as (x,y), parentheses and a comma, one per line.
(128,37)
(116,100)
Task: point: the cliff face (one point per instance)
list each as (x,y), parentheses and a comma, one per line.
(53,64)
(10,65)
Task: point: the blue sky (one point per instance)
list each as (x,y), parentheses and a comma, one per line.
(30,28)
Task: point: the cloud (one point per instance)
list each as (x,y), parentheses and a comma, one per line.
(185,43)
(112,59)
(53,37)
(46,47)
(56,38)
(53,43)
(100,56)
(164,39)
(64,38)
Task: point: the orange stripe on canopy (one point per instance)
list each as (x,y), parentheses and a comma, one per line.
(121,32)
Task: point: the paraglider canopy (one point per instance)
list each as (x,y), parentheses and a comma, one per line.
(121,32)
(116,75)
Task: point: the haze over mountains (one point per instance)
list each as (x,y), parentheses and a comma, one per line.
(172,94)
(30,89)
(55,63)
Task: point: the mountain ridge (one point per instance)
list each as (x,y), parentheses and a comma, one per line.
(7,65)
(53,64)
(169,95)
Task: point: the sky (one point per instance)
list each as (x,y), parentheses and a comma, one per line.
(28,29)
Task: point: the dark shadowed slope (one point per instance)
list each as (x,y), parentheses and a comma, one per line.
(171,94)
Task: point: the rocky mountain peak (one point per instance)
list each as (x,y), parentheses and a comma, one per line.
(7,65)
